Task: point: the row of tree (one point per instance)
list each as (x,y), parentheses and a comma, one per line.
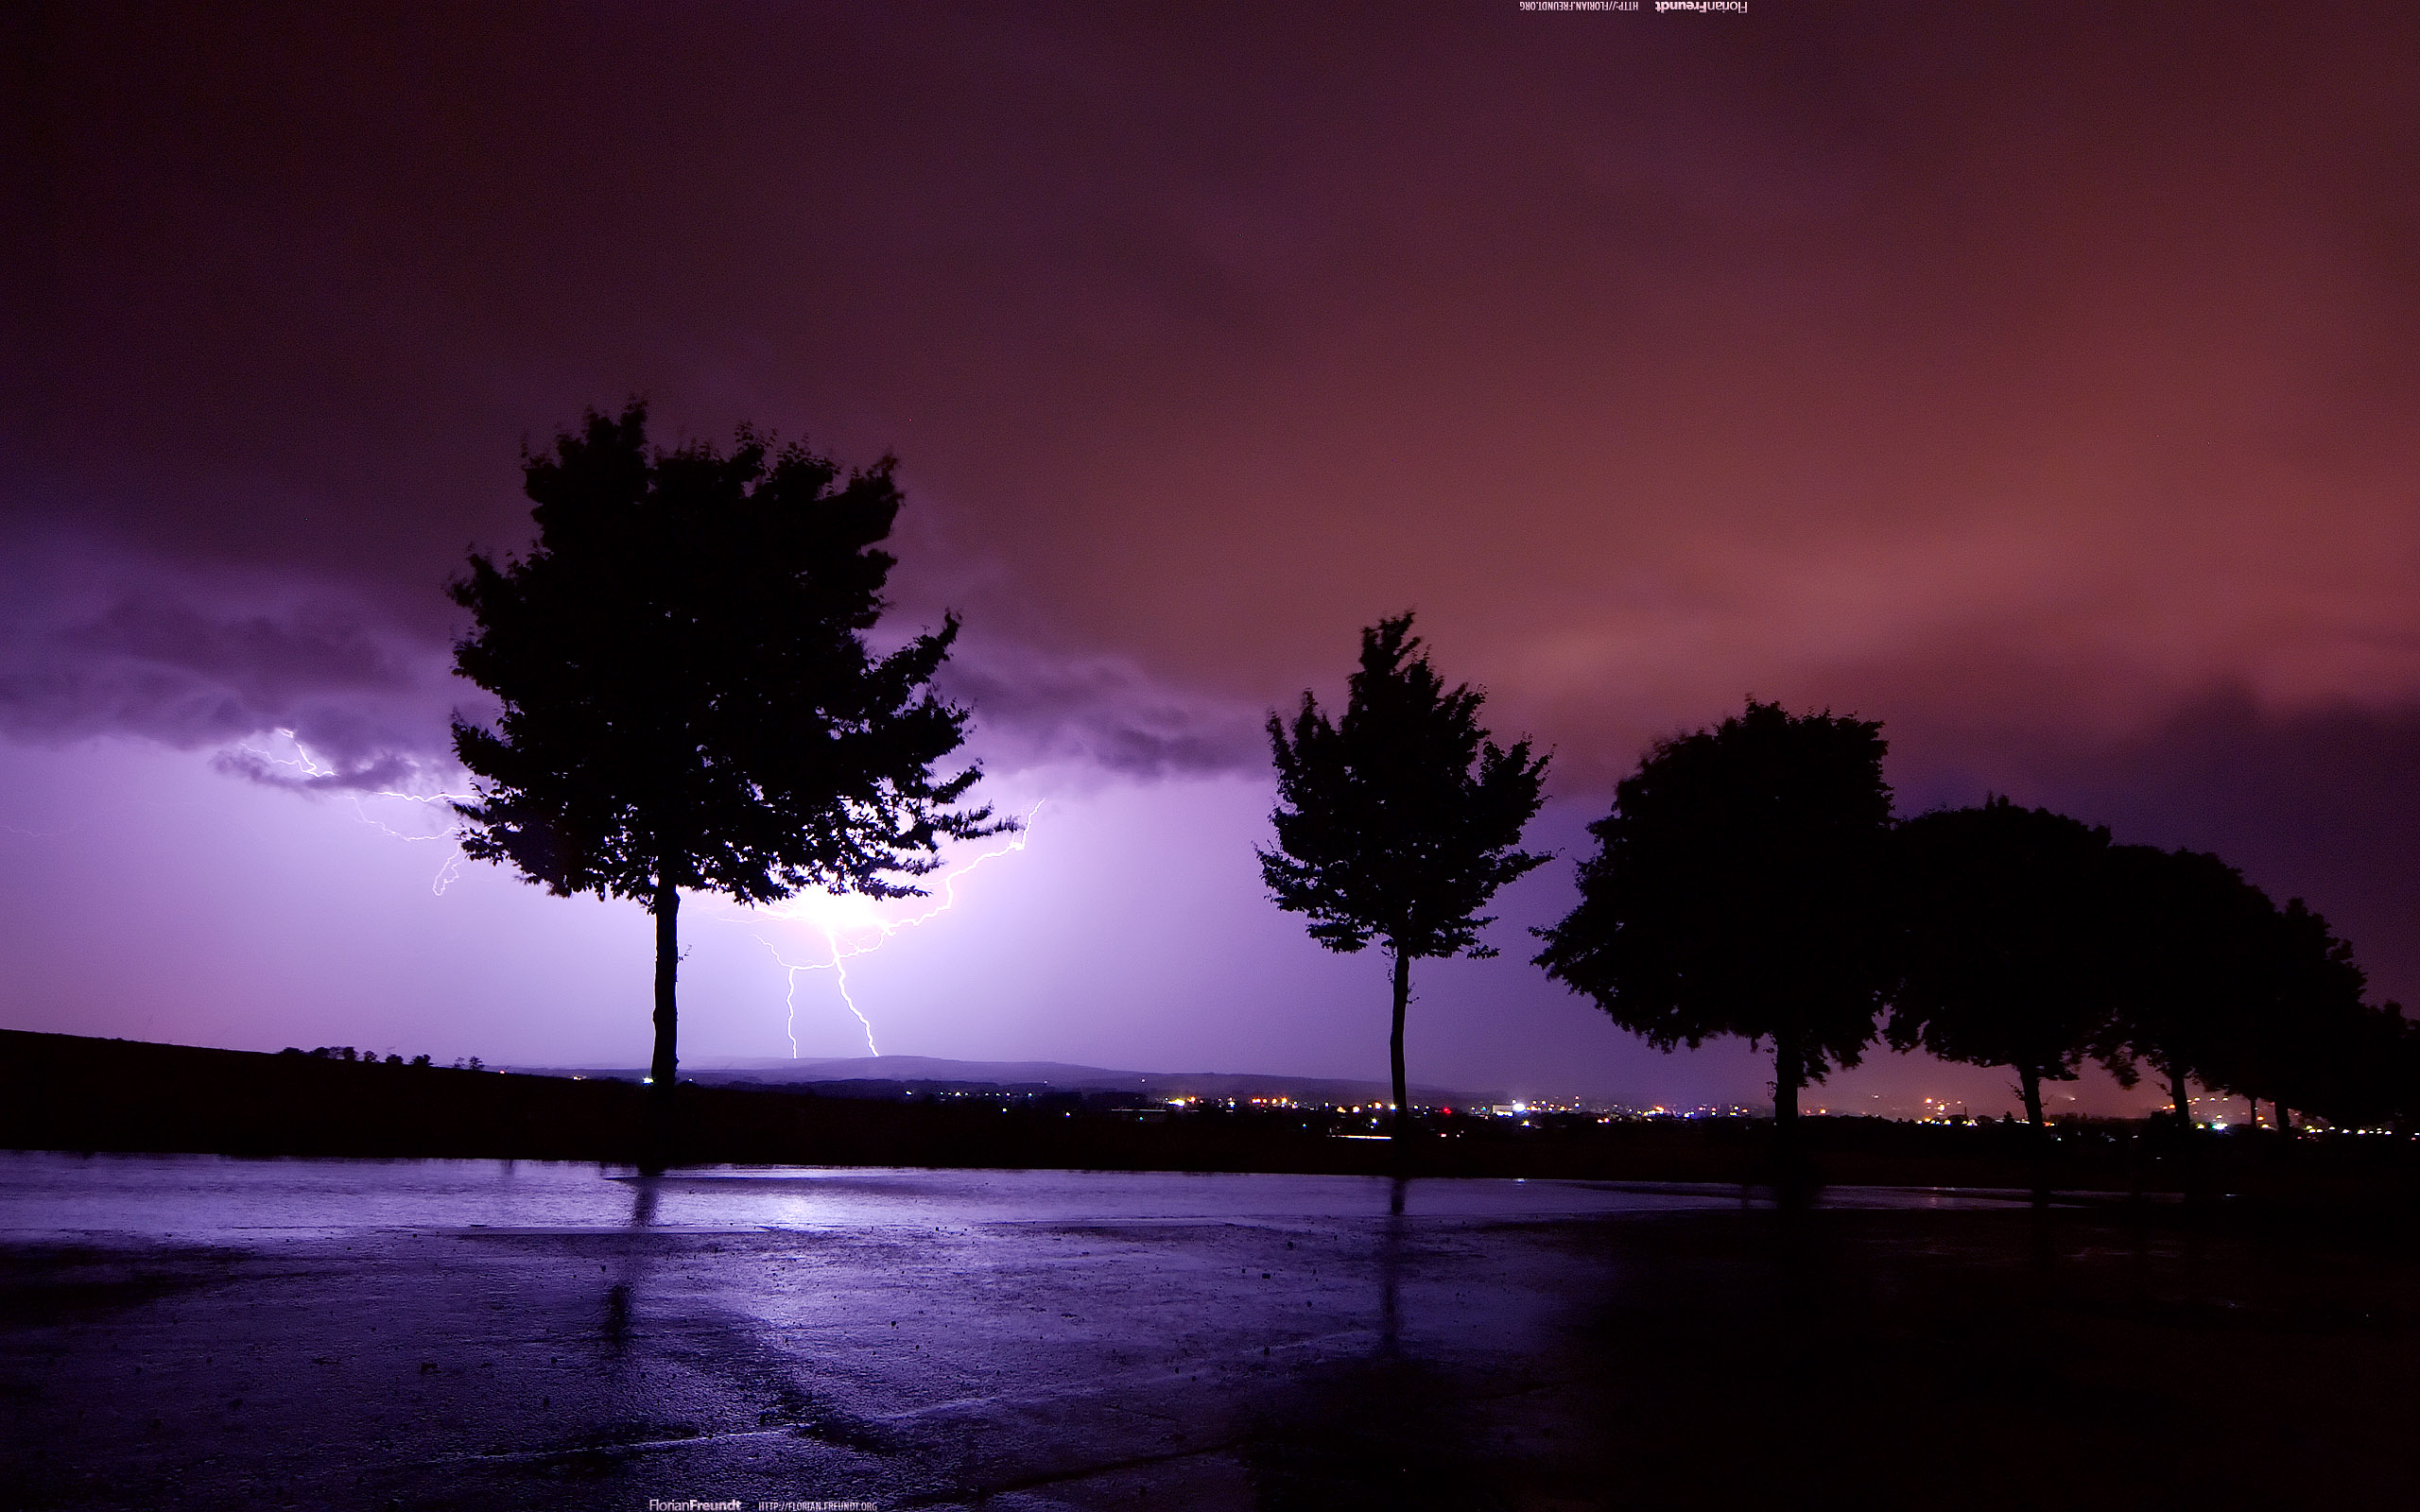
(687,700)
(369,1058)
(1750,881)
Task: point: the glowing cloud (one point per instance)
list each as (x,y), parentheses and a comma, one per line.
(851,925)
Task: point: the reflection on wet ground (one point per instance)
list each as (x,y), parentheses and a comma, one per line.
(203,1332)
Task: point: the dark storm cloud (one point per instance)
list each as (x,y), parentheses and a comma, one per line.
(101,643)
(2322,805)
(1631,347)
(1103,713)
(98,643)
(264,660)
(2013,374)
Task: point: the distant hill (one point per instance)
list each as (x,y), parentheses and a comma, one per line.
(77,1092)
(866,1074)
(81,1093)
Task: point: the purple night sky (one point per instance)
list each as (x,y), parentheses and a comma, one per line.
(2039,380)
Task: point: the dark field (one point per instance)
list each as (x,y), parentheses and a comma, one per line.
(202,1333)
(66,1093)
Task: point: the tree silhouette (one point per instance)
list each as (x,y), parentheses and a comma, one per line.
(2321,1037)
(1739,890)
(2006,943)
(2193,964)
(1398,822)
(2374,1079)
(688,702)
(2302,1035)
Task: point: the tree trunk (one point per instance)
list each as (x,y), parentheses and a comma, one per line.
(667,1012)
(1789,1074)
(1394,1047)
(2285,1120)
(2031,1081)
(2187,1147)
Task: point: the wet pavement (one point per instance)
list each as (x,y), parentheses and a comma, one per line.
(423,1333)
(198,1332)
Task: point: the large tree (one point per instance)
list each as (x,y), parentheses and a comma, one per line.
(2005,946)
(2374,1080)
(2303,1037)
(1398,822)
(687,698)
(2193,965)
(2006,940)
(1739,889)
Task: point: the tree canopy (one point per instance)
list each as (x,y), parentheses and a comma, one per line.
(2295,1029)
(687,697)
(2005,946)
(1400,821)
(2192,968)
(1739,889)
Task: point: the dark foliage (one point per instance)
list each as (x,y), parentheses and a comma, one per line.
(2304,1038)
(2029,941)
(1399,821)
(688,700)
(1739,889)
(2006,940)
(2376,1082)
(2194,966)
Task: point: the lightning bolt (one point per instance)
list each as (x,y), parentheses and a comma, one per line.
(839,978)
(847,923)
(309,766)
(850,927)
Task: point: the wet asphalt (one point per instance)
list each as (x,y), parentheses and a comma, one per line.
(1208,1352)
(329,1334)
